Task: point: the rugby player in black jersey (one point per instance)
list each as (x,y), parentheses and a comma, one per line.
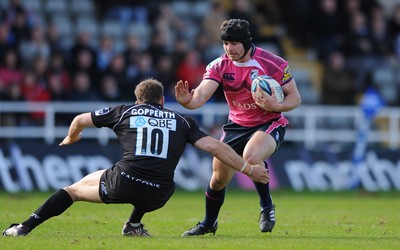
(153,139)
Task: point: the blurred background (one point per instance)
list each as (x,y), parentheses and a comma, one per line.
(59,58)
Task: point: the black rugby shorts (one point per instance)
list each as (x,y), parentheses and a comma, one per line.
(116,186)
(237,136)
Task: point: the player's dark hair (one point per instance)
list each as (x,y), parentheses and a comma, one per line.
(237,30)
(149,90)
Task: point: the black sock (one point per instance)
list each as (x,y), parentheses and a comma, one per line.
(55,205)
(214,201)
(136,216)
(264,193)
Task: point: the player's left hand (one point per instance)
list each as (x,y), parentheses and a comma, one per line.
(68,140)
(259,174)
(267,102)
(182,93)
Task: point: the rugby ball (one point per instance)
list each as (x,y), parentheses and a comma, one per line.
(265,83)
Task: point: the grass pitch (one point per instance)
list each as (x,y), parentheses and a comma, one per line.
(342,220)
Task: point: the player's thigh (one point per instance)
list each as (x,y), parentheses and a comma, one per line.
(261,146)
(222,174)
(86,189)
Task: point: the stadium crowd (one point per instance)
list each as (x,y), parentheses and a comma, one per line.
(352,40)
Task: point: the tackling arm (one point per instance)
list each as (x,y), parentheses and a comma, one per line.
(227,155)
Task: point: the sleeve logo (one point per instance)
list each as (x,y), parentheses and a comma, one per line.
(101,111)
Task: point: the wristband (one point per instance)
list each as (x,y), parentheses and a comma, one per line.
(251,170)
(244,166)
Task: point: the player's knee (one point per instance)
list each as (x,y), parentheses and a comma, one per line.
(71,191)
(218,183)
(252,159)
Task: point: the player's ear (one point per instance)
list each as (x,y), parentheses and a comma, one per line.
(162,101)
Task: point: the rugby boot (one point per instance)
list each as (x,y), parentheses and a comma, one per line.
(267,219)
(16,230)
(200,229)
(129,230)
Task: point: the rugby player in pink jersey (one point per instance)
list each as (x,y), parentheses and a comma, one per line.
(256,125)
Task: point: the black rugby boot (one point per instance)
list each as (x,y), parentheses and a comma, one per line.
(200,229)
(267,219)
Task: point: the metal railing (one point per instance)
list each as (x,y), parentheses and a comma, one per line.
(309,124)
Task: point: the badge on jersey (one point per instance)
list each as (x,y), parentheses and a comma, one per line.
(102,111)
(253,74)
(287,75)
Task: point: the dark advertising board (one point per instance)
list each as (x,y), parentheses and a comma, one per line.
(34,165)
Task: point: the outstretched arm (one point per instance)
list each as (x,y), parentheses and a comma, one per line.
(227,155)
(79,123)
(198,96)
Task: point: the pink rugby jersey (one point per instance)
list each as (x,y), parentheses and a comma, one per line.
(236,79)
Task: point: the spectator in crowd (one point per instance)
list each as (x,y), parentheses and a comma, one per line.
(57,66)
(40,68)
(394,29)
(347,9)
(36,45)
(296,19)
(6,39)
(132,48)
(54,39)
(358,41)
(325,28)
(168,25)
(110,90)
(105,52)
(181,47)
(85,62)
(145,68)
(32,91)
(83,44)
(56,88)
(217,14)
(82,88)
(338,85)
(10,71)
(358,49)
(158,45)
(12,93)
(207,50)
(243,9)
(166,75)
(20,26)
(394,22)
(117,70)
(191,68)
(382,46)
(12,9)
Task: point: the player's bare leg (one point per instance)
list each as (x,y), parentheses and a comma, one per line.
(84,190)
(261,146)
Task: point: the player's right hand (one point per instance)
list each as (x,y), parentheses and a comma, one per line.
(260,174)
(68,140)
(182,93)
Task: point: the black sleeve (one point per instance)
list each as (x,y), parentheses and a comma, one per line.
(195,133)
(107,117)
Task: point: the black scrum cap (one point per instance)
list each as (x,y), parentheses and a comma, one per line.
(237,30)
